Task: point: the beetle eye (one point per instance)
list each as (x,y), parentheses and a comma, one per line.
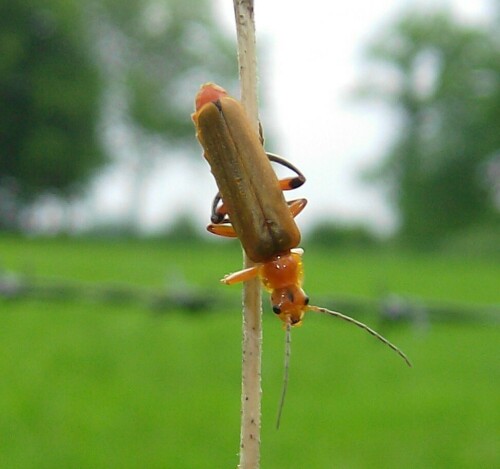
(306,300)
(276,309)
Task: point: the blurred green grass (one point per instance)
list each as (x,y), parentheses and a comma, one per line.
(87,385)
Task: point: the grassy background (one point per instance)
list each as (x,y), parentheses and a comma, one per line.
(87,385)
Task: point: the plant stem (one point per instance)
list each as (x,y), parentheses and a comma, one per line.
(252,309)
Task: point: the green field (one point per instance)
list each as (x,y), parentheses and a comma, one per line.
(91,385)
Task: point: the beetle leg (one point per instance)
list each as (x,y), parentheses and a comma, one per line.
(296,206)
(241,275)
(219,212)
(225,230)
(292,182)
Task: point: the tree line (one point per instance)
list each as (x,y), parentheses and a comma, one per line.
(67,69)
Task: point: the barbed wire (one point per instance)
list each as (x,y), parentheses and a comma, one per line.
(389,307)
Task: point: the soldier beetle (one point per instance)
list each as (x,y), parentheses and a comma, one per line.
(251,206)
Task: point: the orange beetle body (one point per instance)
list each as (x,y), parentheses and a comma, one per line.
(250,189)
(254,209)
(253,200)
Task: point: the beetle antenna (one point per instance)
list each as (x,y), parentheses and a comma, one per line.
(288,341)
(382,339)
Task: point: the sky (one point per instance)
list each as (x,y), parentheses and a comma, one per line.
(312,61)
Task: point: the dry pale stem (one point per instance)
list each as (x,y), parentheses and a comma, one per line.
(252,311)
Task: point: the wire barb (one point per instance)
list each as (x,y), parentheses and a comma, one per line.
(288,341)
(336,314)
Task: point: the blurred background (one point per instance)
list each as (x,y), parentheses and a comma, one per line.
(118,347)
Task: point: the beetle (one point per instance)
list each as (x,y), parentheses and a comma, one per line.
(252,195)
(251,206)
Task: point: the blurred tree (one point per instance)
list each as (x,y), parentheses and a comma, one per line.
(75,74)
(49,103)
(157,51)
(156,54)
(443,79)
